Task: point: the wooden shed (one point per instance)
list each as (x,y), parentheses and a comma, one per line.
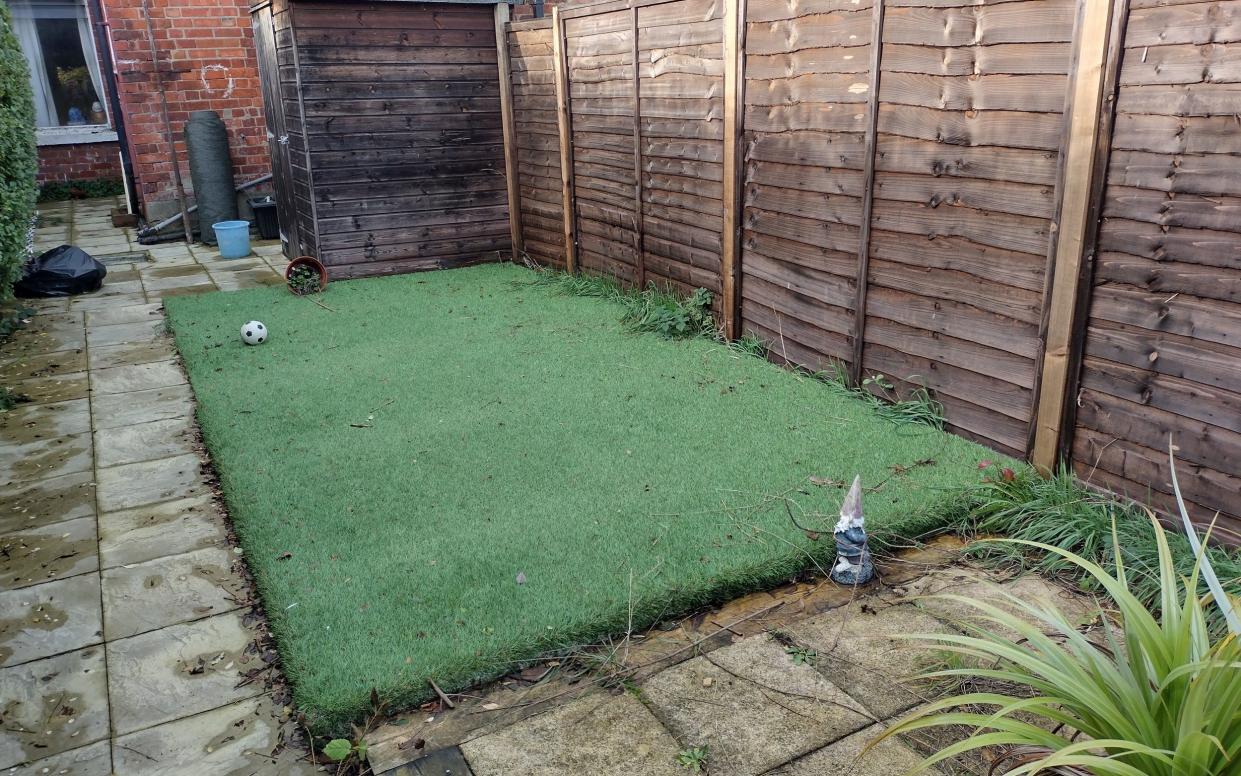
(386,131)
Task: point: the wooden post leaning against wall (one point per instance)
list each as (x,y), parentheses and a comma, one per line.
(734,107)
(868,193)
(564,132)
(1076,222)
(509,129)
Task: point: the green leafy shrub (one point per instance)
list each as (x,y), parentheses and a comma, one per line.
(1158,696)
(653,309)
(19,161)
(58,191)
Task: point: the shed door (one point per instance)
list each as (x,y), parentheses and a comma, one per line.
(277,133)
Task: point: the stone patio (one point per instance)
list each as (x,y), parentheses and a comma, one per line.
(127,642)
(130,644)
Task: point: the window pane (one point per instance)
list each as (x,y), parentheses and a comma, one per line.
(68,77)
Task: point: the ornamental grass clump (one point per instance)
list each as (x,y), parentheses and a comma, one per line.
(1156,695)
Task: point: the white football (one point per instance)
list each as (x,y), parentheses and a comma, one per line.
(254,333)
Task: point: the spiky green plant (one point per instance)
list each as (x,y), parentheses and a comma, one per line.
(1157,697)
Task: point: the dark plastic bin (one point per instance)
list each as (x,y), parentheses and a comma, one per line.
(265,217)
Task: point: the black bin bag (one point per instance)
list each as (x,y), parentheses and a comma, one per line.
(62,271)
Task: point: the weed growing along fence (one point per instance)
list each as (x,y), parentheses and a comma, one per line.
(1013,206)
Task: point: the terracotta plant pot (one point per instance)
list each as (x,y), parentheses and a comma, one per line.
(306,261)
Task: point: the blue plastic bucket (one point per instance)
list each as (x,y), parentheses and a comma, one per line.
(234,238)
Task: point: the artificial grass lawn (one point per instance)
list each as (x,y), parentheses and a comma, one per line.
(394,466)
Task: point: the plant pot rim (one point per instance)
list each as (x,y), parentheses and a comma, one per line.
(306,261)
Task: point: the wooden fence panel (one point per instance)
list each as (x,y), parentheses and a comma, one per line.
(1163,342)
(806,92)
(538,157)
(966,165)
(681,130)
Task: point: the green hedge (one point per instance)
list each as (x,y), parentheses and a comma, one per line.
(58,191)
(19,160)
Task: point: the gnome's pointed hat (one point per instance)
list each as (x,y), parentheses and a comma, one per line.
(851,508)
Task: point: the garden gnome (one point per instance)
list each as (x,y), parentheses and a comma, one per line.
(853,566)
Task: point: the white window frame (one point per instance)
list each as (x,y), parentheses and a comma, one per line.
(82,133)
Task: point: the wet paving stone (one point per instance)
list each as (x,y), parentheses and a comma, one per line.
(598,734)
(92,760)
(29,422)
(107,356)
(44,390)
(142,597)
(102,301)
(178,671)
(57,338)
(26,506)
(53,705)
(23,366)
(863,649)
(124,333)
(48,619)
(136,313)
(752,706)
(49,552)
(150,482)
(140,377)
(42,458)
(241,738)
(125,409)
(144,441)
(159,530)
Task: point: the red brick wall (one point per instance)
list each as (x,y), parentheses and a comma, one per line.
(86,162)
(520,13)
(207,61)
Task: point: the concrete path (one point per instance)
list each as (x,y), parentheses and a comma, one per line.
(127,640)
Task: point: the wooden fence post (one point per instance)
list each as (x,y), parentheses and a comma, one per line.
(1097,57)
(564,132)
(868,193)
(639,257)
(734,120)
(510,130)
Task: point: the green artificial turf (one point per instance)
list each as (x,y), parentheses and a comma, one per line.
(394,465)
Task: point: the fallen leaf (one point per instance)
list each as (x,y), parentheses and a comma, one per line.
(286,555)
(521,577)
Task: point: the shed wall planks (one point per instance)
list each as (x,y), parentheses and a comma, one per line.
(1162,355)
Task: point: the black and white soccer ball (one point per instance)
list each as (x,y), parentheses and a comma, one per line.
(254,333)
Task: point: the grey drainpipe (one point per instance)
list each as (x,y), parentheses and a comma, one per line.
(103,50)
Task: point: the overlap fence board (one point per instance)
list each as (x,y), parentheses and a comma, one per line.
(806,93)
(537,147)
(897,186)
(1162,355)
(939,231)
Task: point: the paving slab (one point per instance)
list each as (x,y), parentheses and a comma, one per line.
(158,530)
(39,459)
(100,301)
(92,760)
(139,377)
(25,506)
(888,758)
(861,649)
(124,333)
(48,619)
(52,551)
(201,288)
(142,597)
(160,281)
(136,313)
(107,356)
(44,390)
(144,441)
(23,366)
(28,422)
(149,482)
(178,671)
(598,734)
(753,706)
(52,706)
(55,338)
(241,738)
(124,409)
